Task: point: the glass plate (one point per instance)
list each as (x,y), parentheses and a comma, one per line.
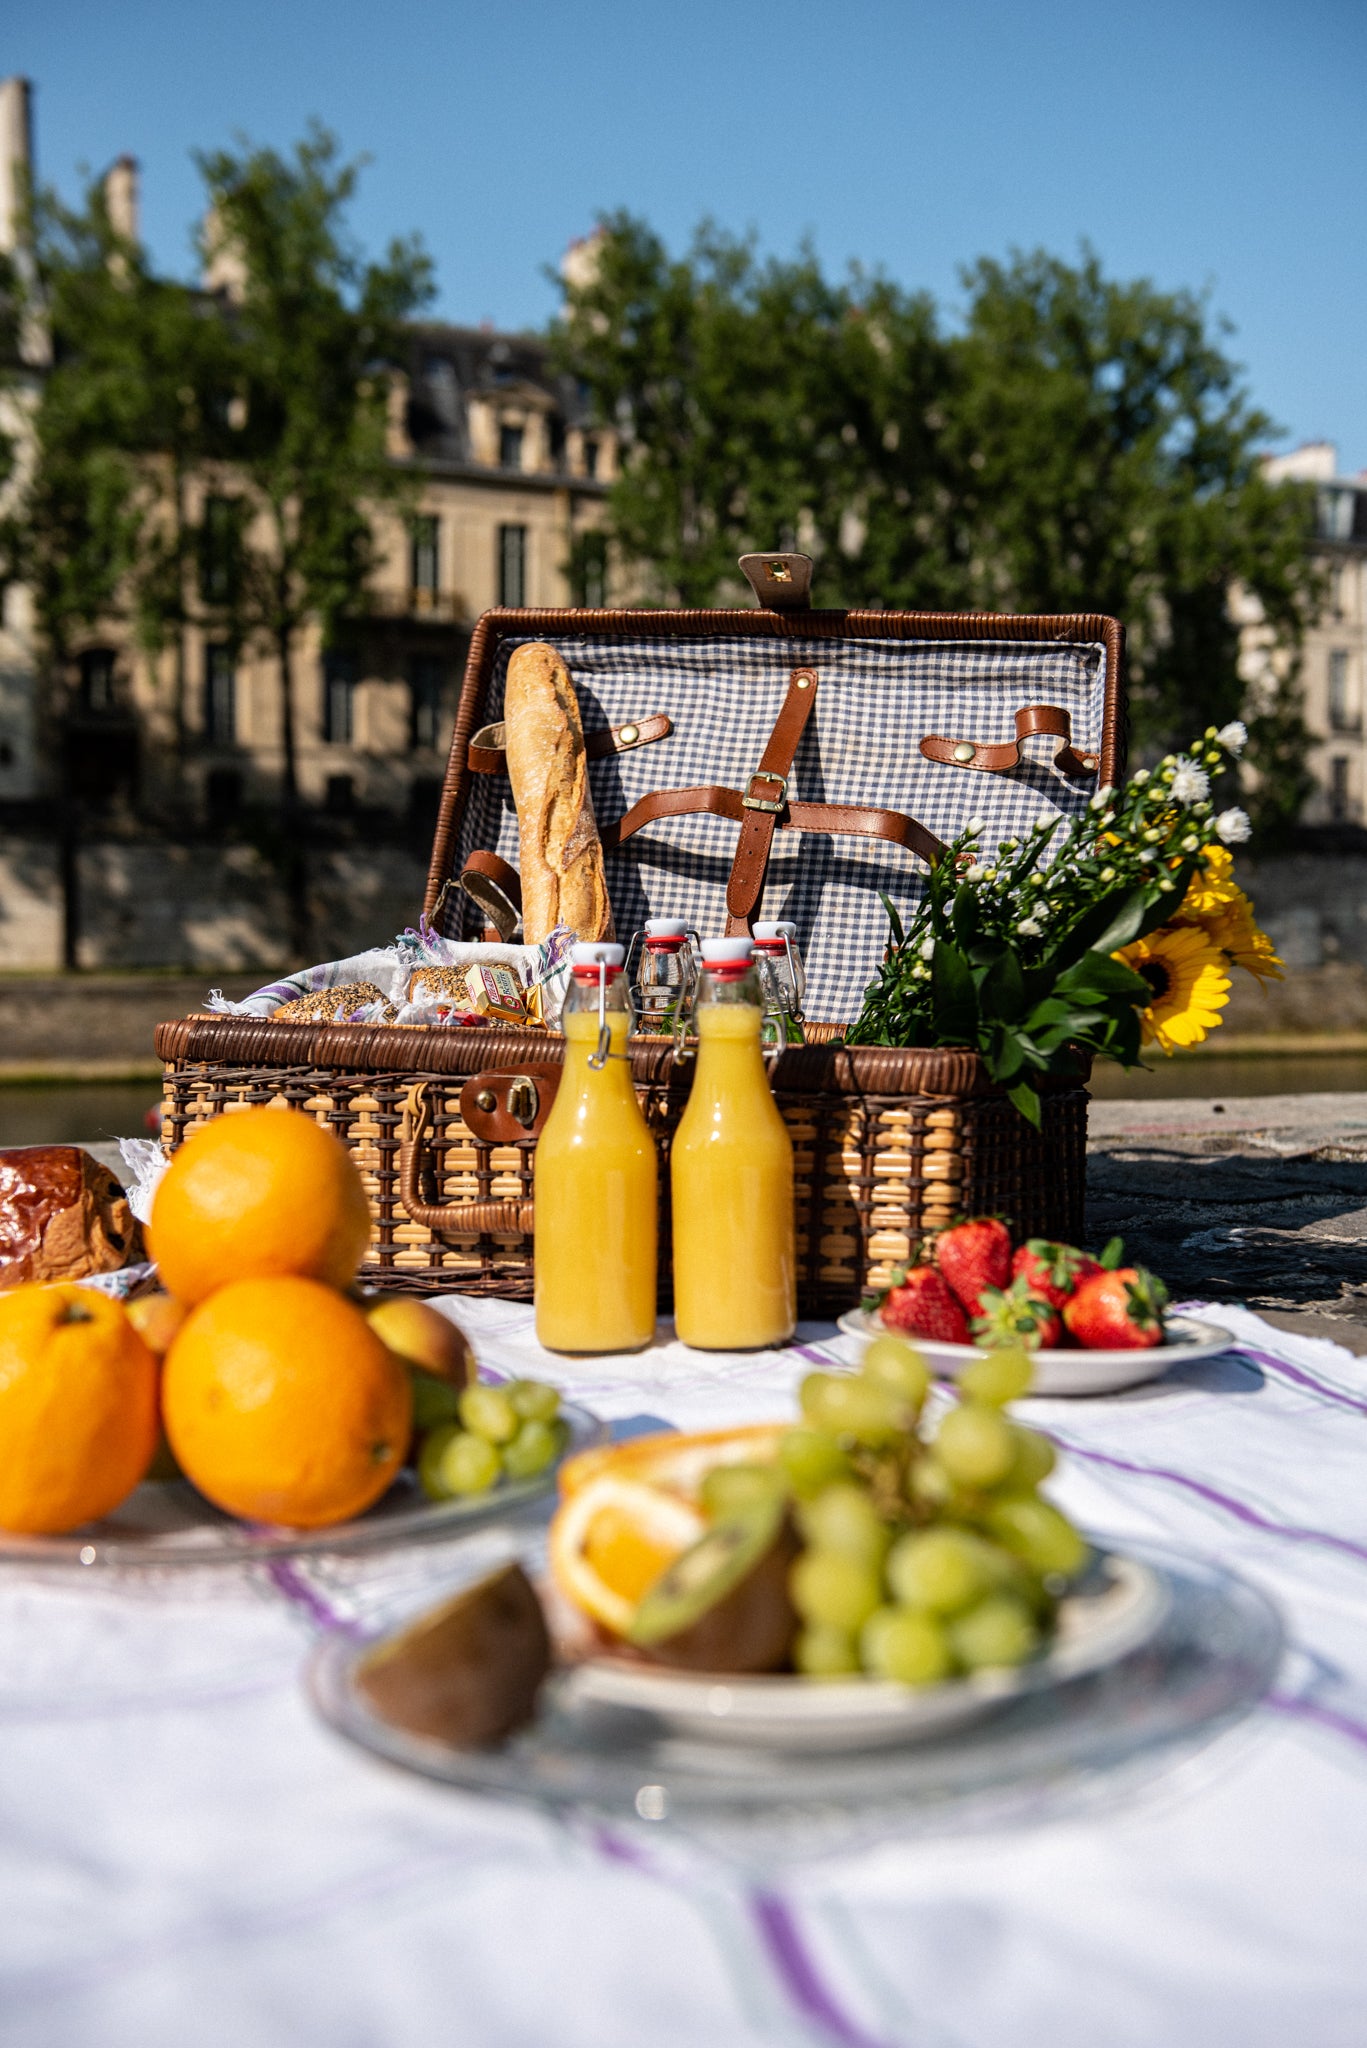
(1210,1658)
(168,1523)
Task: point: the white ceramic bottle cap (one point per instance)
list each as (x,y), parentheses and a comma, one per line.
(726,952)
(596,953)
(783,929)
(666,928)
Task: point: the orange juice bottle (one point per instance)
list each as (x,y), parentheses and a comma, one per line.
(595,1177)
(735,1266)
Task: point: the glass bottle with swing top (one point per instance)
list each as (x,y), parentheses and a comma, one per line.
(662,991)
(783,984)
(595,1176)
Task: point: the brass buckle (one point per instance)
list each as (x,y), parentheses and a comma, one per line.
(771,806)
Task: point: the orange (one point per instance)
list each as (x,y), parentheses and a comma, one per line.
(610,1541)
(258,1192)
(675,1459)
(78,1407)
(282,1405)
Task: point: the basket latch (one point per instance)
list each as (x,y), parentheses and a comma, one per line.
(509,1108)
(782,582)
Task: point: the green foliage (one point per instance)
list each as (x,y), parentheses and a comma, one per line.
(1014,956)
(1078,445)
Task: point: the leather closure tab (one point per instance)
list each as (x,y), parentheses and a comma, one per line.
(1000,757)
(509,1108)
(782,582)
(760,814)
(772,804)
(497,888)
(485,755)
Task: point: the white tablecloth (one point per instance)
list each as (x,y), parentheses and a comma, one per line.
(188,1857)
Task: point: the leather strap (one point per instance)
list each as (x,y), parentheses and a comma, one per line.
(855,819)
(497,889)
(764,800)
(1000,758)
(485,756)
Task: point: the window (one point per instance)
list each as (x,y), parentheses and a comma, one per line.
(1343,711)
(1336,513)
(425,558)
(339,690)
(98,685)
(426,676)
(220,695)
(510,447)
(1338,789)
(340,797)
(589,569)
(590,456)
(512,565)
(218,551)
(222,794)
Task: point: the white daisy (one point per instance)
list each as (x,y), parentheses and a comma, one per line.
(1190,785)
(1233,827)
(1233,737)
(1029,927)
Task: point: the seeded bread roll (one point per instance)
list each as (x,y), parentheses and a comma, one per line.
(561,858)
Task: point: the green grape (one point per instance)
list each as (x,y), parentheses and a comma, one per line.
(999,1630)
(893,1363)
(810,1460)
(434,1401)
(468,1464)
(929,1485)
(731,1489)
(941,1570)
(831,1591)
(533,1400)
(847,1406)
(821,1652)
(1034,1530)
(900,1643)
(489,1412)
(535,1446)
(1035,1460)
(844,1519)
(430,1457)
(997,1377)
(975,1446)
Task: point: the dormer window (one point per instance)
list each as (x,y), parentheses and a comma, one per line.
(590,456)
(509,447)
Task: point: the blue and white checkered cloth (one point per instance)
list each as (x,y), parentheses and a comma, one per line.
(876,699)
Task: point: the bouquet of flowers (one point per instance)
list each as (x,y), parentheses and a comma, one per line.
(1121,938)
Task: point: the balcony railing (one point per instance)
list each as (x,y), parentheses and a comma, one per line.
(445,607)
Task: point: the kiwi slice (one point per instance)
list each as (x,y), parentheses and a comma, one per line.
(469,1671)
(723,1604)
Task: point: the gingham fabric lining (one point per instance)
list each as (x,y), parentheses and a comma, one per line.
(875,701)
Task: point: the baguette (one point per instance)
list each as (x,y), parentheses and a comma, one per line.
(561,858)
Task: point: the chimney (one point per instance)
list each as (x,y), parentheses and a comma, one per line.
(121,196)
(16,157)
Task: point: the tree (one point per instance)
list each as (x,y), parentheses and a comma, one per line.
(314,329)
(1079,445)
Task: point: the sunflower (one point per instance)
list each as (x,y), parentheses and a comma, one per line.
(1212,887)
(1190,986)
(1237,934)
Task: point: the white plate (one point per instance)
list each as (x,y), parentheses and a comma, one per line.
(1066,1372)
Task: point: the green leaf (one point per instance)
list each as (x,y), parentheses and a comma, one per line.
(899,937)
(1114,1254)
(1026,1099)
(954,996)
(1097,974)
(1001,992)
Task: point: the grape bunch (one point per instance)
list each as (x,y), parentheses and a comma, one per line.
(923,1555)
(470,1438)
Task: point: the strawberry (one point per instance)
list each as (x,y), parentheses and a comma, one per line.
(921,1304)
(1118,1311)
(1015,1315)
(1053,1272)
(974,1255)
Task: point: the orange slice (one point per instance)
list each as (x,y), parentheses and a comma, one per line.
(678,1462)
(610,1541)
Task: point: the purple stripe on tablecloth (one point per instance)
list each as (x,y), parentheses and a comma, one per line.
(797,1971)
(289,1580)
(1285,1370)
(1238,1508)
(810,1351)
(1325,1717)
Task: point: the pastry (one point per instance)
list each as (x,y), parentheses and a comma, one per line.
(63,1216)
(560,858)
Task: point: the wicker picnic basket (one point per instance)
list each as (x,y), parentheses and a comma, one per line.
(931,712)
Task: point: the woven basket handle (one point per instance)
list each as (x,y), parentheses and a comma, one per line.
(448,1219)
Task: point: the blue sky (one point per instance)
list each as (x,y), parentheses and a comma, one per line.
(1197,142)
